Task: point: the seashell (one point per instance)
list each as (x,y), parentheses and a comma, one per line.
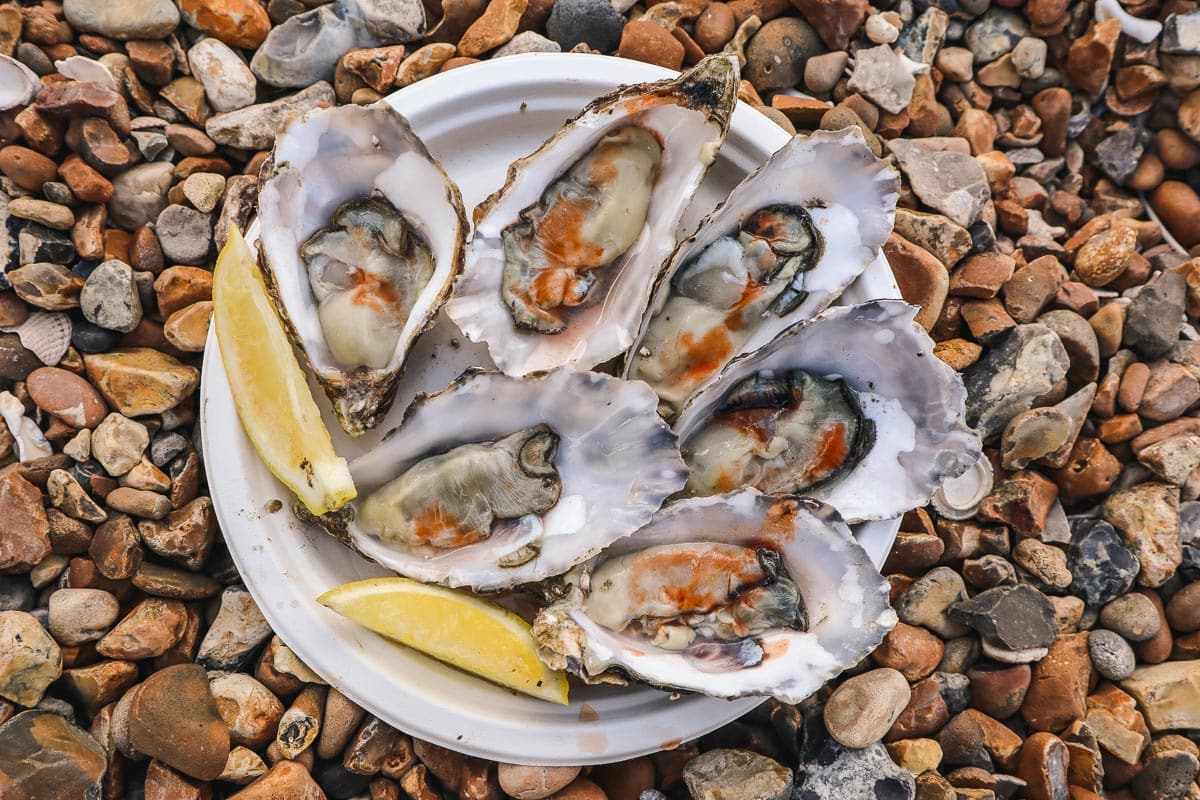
(31,442)
(46,333)
(18,83)
(82,68)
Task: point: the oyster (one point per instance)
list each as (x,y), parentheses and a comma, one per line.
(851,408)
(733,595)
(784,245)
(357,262)
(498,481)
(565,254)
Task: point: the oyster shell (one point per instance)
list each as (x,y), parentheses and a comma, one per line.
(732,595)
(357,262)
(784,245)
(851,408)
(565,254)
(499,481)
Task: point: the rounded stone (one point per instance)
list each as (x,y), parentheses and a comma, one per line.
(1183,609)
(185,234)
(1111,655)
(714,27)
(863,708)
(110,297)
(776,55)
(534,783)
(78,616)
(1178,206)
(140,194)
(595,23)
(30,660)
(67,396)
(127,19)
(249,709)
(1132,616)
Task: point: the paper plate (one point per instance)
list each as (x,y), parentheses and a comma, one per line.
(476,120)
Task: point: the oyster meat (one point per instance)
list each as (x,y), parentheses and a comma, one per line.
(851,408)
(732,595)
(357,262)
(499,481)
(788,240)
(565,254)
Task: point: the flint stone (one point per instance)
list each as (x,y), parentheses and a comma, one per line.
(1118,155)
(126,19)
(883,77)
(255,127)
(827,769)
(1102,567)
(736,775)
(305,49)
(1181,34)
(527,42)
(995,33)
(140,194)
(953,183)
(1012,376)
(44,756)
(923,38)
(1147,518)
(237,631)
(228,82)
(1153,318)
(29,659)
(1012,617)
(1111,655)
(110,299)
(592,22)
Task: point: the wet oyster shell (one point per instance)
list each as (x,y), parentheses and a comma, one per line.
(616,459)
(850,196)
(844,594)
(319,162)
(690,116)
(916,401)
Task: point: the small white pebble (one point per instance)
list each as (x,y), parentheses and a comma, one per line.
(880,30)
(1029,57)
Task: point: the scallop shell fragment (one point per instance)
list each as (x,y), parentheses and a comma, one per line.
(47,334)
(495,440)
(784,245)
(362,239)
(842,611)
(565,254)
(910,404)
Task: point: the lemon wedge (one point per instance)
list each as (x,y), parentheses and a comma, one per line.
(474,635)
(269,389)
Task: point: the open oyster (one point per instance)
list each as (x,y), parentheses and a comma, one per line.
(784,245)
(851,408)
(735,595)
(565,254)
(498,481)
(358,263)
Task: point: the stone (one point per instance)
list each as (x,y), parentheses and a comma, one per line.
(828,769)
(140,194)
(1147,518)
(185,234)
(150,629)
(244,766)
(1118,726)
(203,190)
(286,780)
(160,581)
(51,287)
(835,22)
(1178,207)
(1133,616)
(497,25)
(927,600)
(1171,390)
(776,55)
(1013,617)
(994,34)
(109,297)
(1083,349)
(78,616)
(1043,764)
(592,22)
(527,42)
(952,183)
(249,709)
(1024,366)
(29,659)
(534,783)
(1034,434)
(1183,609)
(1153,318)
(24,529)
(882,76)
(99,684)
(46,757)
(1102,567)
(118,443)
(139,381)
(715,27)
(254,127)
(1111,655)
(1058,688)
(1168,694)
(52,215)
(305,48)
(1173,459)
(998,690)
(923,280)
(237,631)
(136,19)
(85,182)
(982,275)
(65,395)
(863,708)
(27,168)
(730,774)
(237,23)
(643,40)
(1023,501)
(173,717)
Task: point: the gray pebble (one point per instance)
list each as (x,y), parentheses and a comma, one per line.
(527,42)
(185,234)
(140,194)
(995,33)
(110,299)
(1112,656)
(1133,616)
(124,19)
(592,22)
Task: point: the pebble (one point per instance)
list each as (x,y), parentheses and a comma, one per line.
(30,660)
(42,750)
(254,127)
(78,616)
(118,443)
(534,783)
(1111,655)
(23,527)
(922,278)
(1183,609)
(882,75)
(1013,617)
(1153,318)
(927,600)
(776,56)
(862,709)
(952,183)
(1168,694)
(642,40)
(116,548)
(592,22)
(828,769)
(1102,567)
(527,42)
(1025,366)
(140,381)
(1147,518)
(228,82)
(1034,434)
(109,297)
(140,194)
(1178,206)
(835,22)
(249,709)
(173,717)
(236,632)
(66,396)
(129,19)
(150,629)
(1132,616)
(1058,688)
(286,780)
(994,34)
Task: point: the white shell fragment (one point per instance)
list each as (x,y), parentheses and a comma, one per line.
(915,401)
(850,197)
(319,163)
(18,83)
(844,596)
(688,116)
(31,442)
(82,68)
(616,460)
(47,334)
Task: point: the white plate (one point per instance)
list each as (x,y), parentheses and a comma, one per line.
(476,120)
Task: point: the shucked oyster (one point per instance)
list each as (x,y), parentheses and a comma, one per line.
(851,408)
(499,481)
(788,240)
(734,595)
(362,236)
(565,254)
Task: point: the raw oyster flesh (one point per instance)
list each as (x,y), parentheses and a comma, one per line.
(453,499)
(731,595)
(367,270)
(584,221)
(780,433)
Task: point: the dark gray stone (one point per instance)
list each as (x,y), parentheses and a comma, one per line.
(16,593)
(1013,617)
(89,338)
(923,37)
(592,22)
(1026,365)
(955,689)
(110,297)
(827,769)
(185,234)
(1102,567)
(1153,318)
(995,33)
(37,243)
(1118,155)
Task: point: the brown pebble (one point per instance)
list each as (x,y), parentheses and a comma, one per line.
(1178,206)
(27,168)
(914,651)
(998,690)
(1042,764)
(924,715)
(1058,687)
(923,280)
(1183,609)
(650,42)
